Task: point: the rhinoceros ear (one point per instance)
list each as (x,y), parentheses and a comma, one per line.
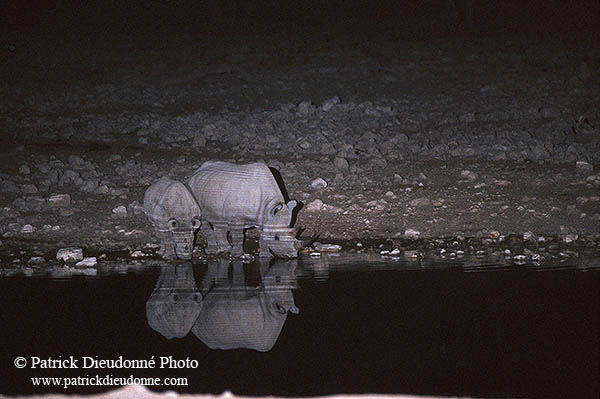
(292,204)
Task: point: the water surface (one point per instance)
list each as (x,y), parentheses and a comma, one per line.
(365,324)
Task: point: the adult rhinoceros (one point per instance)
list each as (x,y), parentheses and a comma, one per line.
(235,197)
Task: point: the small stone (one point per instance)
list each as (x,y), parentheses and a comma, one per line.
(411,233)
(328,104)
(306,107)
(327,247)
(469,175)
(199,141)
(419,202)
(89,186)
(136,208)
(36,260)
(138,254)
(29,189)
(7,186)
(390,195)
(120,211)
(314,206)
(584,166)
(88,261)
(59,200)
(528,235)
(114,157)
(71,254)
(103,189)
(318,183)
(341,163)
(411,253)
(27,229)
(569,238)
(65,212)
(305,145)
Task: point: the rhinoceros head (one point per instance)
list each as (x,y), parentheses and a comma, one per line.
(175,214)
(276,233)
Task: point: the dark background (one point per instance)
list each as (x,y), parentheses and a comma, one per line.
(395,18)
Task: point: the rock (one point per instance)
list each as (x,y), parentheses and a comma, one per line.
(36,260)
(89,186)
(411,233)
(59,200)
(327,247)
(65,212)
(27,229)
(29,189)
(199,142)
(314,206)
(528,235)
(306,107)
(138,254)
(136,208)
(469,175)
(340,163)
(120,211)
(569,238)
(584,166)
(318,183)
(76,162)
(390,195)
(304,144)
(88,261)
(7,186)
(71,254)
(419,202)
(328,104)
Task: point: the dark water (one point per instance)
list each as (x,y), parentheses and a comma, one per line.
(364,326)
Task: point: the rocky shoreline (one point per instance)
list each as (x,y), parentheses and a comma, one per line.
(437,140)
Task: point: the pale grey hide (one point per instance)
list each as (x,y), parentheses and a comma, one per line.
(175,303)
(236,314)
(236,197)
(175,215)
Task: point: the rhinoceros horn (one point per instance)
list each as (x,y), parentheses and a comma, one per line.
(304,242)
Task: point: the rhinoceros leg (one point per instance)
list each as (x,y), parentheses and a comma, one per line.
(237,240)
(167,246)
(212,247)
(264,248)
(221,238)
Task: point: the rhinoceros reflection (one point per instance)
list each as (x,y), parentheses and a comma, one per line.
(248,309)
(175,303)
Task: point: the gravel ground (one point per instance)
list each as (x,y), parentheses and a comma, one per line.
(380,140)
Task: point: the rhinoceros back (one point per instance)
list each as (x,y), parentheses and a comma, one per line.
(235,194)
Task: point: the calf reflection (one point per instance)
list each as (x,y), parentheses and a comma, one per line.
(175,303)
(248,307)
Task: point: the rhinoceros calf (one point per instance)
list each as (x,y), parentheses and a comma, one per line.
(175,215)
(235,197)
(176,301)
